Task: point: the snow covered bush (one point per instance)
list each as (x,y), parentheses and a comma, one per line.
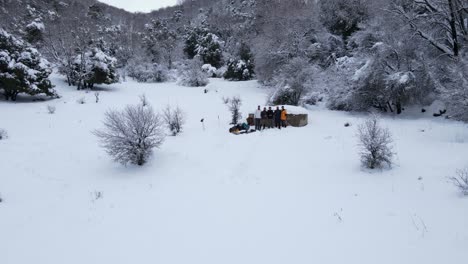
(288,95)
(174,118)
(461,181)
(131,135)
(209,70)
(3,134)
(239,70)
(51,109)
(375,142)
(234,107)
(149,72)
(192,74)
(22,69)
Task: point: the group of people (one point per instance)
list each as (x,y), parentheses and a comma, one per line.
(270,118)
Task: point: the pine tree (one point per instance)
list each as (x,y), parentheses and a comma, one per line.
(207,45)
(22,69)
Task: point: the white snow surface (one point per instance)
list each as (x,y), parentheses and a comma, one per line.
(296,196)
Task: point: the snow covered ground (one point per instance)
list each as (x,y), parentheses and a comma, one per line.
(291,196)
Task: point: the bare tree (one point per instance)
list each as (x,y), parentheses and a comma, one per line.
(226,100)
(174,118)
(461,181)
(375,142)
(130,135)
(234,106)
(440,23)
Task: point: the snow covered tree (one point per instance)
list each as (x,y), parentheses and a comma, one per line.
(293,82)
(35,31)
(148,72)
(131,135)
(160,41)
(207,45)
(241,69)
(93,67)
(284,31)
(342,17)
(192,74)
(442,24)
(22,69)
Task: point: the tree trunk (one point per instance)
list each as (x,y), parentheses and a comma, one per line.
(390,107)
(453,28)
(398,107)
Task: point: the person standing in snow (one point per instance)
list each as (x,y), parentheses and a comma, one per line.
(264,118)
(284,117)
(258,118)
(278,118)
(270,118)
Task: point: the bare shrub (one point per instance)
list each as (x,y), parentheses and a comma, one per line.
(51,109)
(174,118)
(130,135)
(375,142)
(82,100)
(234,106)
(143,100)
(3,134)
(461,181)
(96,95)
(226,100)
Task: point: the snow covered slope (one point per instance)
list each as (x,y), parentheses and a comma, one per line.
(292,196)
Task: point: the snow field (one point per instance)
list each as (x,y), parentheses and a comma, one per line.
(292,196)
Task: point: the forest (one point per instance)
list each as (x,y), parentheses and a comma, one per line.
(234,132)
(355,54)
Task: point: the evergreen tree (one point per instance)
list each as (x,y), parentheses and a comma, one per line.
(207,45)
(22,69)
(241,69)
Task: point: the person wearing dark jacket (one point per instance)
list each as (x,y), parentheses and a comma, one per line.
(264,118)
(270,118)
(278,117)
